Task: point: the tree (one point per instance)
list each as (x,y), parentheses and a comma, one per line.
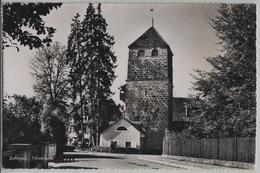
(21,20)
(92,62)
(103,64)
(78,76)
(21,119)
(110,111)
(227,94)
(50,73)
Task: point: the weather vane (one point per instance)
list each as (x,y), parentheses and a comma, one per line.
(152,15)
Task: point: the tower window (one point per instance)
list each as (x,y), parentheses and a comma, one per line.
(145,93)
(154,52)
(140,53)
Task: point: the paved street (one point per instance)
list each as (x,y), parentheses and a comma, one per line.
(109,161)
(128,161)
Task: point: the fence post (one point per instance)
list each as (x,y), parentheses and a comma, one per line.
(235,148)
(217,147)
(163,145)
(180,142)
(170,147)
(45,155)
(202,152)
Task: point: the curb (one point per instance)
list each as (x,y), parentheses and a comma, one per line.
(231,164)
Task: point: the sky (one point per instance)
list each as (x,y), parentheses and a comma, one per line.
(185,27)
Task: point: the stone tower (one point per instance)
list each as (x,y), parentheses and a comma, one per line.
(149,87)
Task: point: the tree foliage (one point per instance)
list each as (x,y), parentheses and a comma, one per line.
(21,119)
(24,23)
(91,61)
(226,97)
(50,72)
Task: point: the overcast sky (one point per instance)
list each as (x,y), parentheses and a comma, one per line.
(185,27)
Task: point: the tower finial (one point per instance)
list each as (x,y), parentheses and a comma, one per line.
(152,15)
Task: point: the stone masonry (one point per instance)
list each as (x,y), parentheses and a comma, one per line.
(149,87)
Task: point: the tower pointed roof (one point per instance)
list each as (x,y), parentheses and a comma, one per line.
(151,38)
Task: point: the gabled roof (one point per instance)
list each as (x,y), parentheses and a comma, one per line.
(138,127)
(151,38)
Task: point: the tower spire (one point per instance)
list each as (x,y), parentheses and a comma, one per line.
(152,16)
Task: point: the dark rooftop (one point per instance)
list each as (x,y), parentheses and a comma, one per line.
(151,38)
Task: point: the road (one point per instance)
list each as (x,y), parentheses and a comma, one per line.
(109,161)
(95,160)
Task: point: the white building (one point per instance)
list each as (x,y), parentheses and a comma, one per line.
(124,133)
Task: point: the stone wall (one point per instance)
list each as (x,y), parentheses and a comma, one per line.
(147,67)
(147,102)
(148,93)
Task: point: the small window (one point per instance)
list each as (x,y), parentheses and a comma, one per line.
(140,53)
(128,144)
(154,52)
(145,93)
(121,128)
(113,144)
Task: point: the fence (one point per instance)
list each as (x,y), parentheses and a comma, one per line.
(240,149)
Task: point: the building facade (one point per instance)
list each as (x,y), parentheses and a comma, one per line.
(73,132)
(148,95)
(124,134)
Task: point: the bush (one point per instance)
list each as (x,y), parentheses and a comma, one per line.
(68,148)
(116,150)
(102,149)
(126,150)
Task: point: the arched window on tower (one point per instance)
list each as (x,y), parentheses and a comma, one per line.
(154,52)
(140,53)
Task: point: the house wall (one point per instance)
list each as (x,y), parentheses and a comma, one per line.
(71,135)
(132,135)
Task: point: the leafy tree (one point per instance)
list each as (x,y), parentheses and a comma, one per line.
(50,73)
(54,117)
(22,20)
(21,119)
(103,62)
(226,97)
(110,111)
(92,62)
(78,76)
